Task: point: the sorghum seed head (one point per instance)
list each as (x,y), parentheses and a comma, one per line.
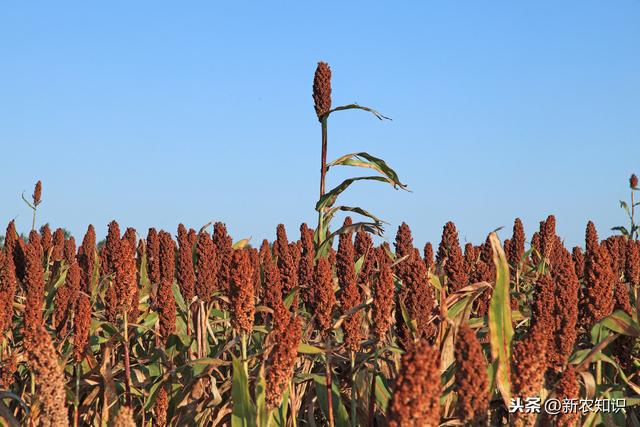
(324,299)
(7,291)
(472,383)
(416,396)
(37,193)
(58,241)
(306,266)
(281,361)
(578,261)
(322,90)
(87,258)
(47,239)
(242,295)
(384,292)
(224,249)
(428,256)
(516,248)
(153,256)
(185,273)
(350,294)
(450,256)
(205,267)
(632,267)
(633,181)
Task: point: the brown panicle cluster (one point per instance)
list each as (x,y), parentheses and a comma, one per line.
(161,407)
(124,418)
(34,282)
(416,396)
(242,297)
(322,90)
(205,268)
(567,290)
(34,240)
(516,248)
(15,247)
(185,273)
(470,259)
(578,261)
(485,271)
(350,294)
(535,245)
(542,311)
(416,295)
(568,388)
(404,249)
(529,362)
(306,266)
(166,301)
(57,250)
(324,299)
(69,251)
(273,293)
(285,261)
(599,282)
(428,257)
(384,293)
(364,250)
(591,237)
(472,383)
(37,193)
(47,239)
(548,239)
(81,327)
(616,246)
(450,258)
(107,268)
(122,261)
(49,380)
(153,256)
(7,292)
(66,298)
(633,181)
(87,258)
(632,267)
(223,247)
(8,367)
(281,360)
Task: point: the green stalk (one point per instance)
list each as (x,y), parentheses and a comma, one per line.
(76,400)
(354,421)
(329,381)
(372,392)
(127,366)
(323,172)
(243,343)
(33,222)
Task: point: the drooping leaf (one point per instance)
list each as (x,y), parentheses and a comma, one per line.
(366,160)
(340,414)
(356,107)
(330,197)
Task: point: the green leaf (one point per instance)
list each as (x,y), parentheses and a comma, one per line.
(500,326)
(241,243)
(355,107)
(340,414)
(621,229)
(329,198)
(309,349)
(383,395)
(366,160)
(264,414)
(621,323)
(244,411)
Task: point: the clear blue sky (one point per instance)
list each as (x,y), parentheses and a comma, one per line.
(155,113)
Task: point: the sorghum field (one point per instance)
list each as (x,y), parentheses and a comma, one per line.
(193,327)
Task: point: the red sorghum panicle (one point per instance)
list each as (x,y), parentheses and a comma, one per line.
(256,272)
(87,259)
(632,267)
(224,250)
(542,312)
(599,283)
(535,245)
(547,237)
(122,258)
(15,246)
(34,282)
(516,248)
(66,298)
(34,240)
(285,261)
(506,246)
(47,239)
(621,298)
(153,256)
(69,251)
(322,90)
(49,380)
(566,291)
(306,266)
(384,292)
(57,251)
(124,418)
(616,256)
(161,407)
(578,261)
(349,292)
(7,292)
(242,296)
(130,236)
(324,299)
(417,297)
(472,382)
(404,241)
(529,362)
(428,256)
(450,256)
(633,181)
(470,259)
(185,273)
(416,395)
(193,237)
(8,367)
(81,327)
(205,268)
(364,249)
(568,388)
(281,360)
(591,237)
(166,301)
(37,193)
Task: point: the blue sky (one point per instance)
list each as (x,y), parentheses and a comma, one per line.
(155,113)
